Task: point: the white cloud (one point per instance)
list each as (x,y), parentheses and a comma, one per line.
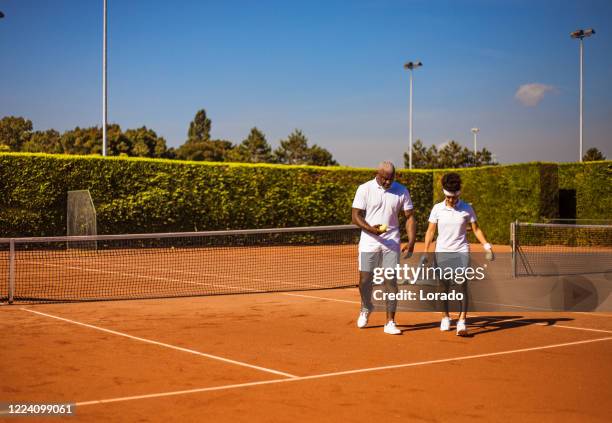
(531,94)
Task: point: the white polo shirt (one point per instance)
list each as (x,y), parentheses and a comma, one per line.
(452,226)
(381,207)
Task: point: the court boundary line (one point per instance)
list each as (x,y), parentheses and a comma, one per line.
(594,313)
(320,298)
(163,344)
(334,374)
(547,325)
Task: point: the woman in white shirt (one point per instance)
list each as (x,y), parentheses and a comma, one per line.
(451,218)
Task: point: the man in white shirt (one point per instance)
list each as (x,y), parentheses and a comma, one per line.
(376,207)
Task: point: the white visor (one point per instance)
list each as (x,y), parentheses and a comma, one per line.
(450,193)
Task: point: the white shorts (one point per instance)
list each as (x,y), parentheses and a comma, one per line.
(384,258)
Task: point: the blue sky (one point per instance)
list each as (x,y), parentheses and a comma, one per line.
(330,68)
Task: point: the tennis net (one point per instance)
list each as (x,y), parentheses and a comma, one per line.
(548,249)
(177,264)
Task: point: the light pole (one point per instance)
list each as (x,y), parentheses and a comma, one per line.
(581,34)
(411,66)
(104,85)
(475,131)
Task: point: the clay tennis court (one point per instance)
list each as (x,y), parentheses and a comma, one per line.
(299,357)
(281,356)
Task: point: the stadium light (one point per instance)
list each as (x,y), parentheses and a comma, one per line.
(411,66)
(104,84)
(581,34)
(475,131)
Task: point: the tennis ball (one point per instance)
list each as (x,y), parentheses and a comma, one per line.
(383,227)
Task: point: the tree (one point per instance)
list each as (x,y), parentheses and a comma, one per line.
(593,155)
(422,157)
(321,157)
(199,146)
(451,155)
(82,141)
(254,149)
(146,143)
(14,131)
(199,128)
(118,143)
(48,141)
(16,135)
(210,151)
(484,158)
(295,150)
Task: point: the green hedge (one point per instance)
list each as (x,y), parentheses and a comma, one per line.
(134,195)
(592,182)
(502,194)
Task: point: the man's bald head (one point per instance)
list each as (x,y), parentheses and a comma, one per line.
(385,174)
(386,166)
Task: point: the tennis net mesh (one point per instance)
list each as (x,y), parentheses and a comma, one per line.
(178,264)
(547,249)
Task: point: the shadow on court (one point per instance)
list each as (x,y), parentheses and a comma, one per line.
(480,325)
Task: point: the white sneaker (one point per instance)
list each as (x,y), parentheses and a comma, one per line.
(445,324)
(362,321)
(461,328)
(391,329)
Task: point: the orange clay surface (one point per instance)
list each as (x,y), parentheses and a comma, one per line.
(298,357)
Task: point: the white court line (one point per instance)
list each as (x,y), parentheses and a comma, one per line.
(543,324)
(593,313)
(343,373)
(320,298)
(162,344)
(578,328)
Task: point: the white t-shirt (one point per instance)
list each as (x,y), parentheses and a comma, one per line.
(452,226)
(381,207)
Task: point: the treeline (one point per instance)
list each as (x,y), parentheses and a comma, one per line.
(17,134)
(451,155)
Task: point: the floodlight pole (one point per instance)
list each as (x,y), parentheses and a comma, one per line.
(475,131)
(411,66)
(581,93)
(410,123)
(104,85)
(581,34)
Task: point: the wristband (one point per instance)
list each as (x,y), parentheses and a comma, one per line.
(487,246)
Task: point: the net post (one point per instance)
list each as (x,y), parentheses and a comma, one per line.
(513,238)
(11,286)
